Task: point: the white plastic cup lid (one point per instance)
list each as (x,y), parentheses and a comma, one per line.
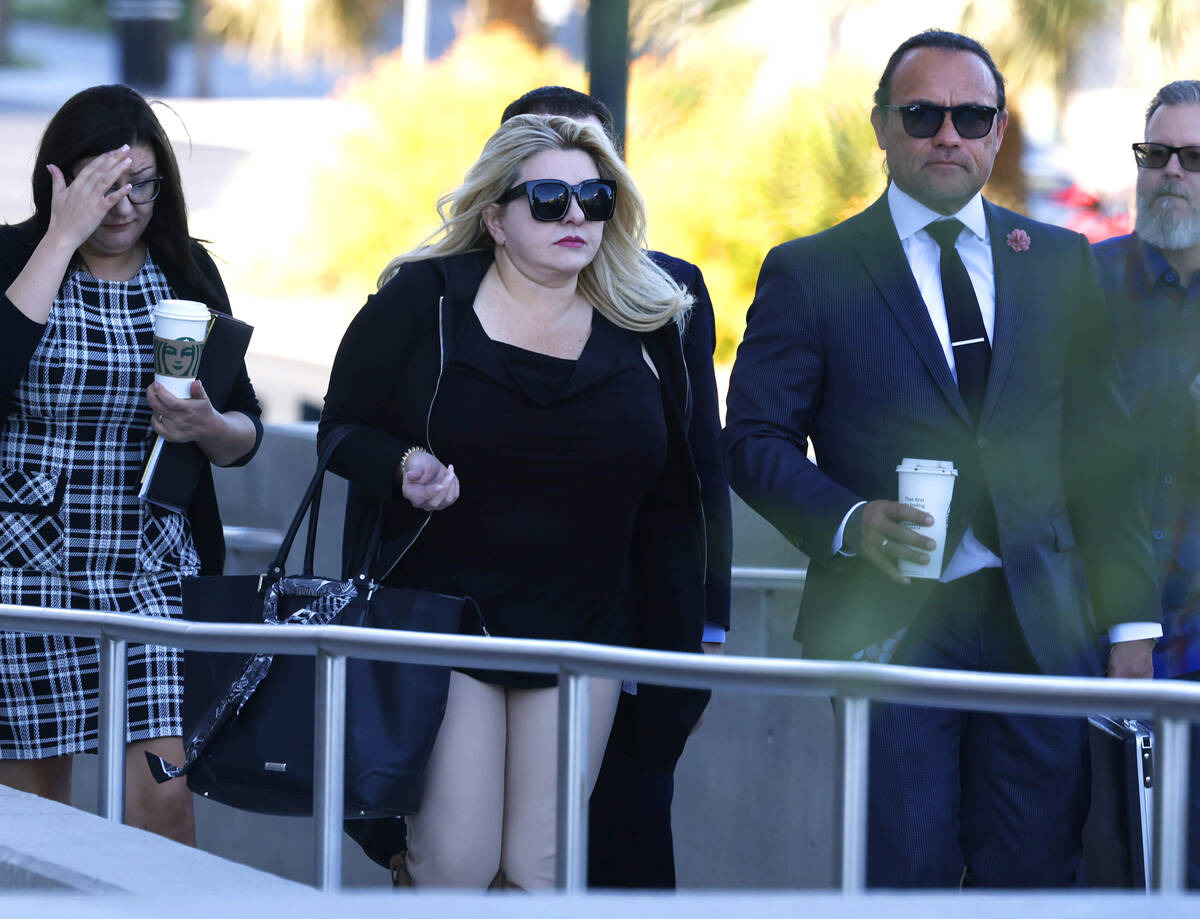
(181,309)
(933,467)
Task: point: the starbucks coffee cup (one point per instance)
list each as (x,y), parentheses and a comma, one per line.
(180,327)
(928,486)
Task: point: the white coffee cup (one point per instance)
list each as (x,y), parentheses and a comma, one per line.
(180,327)
(928,486)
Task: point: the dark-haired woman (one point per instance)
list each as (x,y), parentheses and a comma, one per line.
(78,407)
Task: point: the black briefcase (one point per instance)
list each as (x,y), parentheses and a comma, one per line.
(248,719)
(1117,835)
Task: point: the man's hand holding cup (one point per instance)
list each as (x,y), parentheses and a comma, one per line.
(880,536)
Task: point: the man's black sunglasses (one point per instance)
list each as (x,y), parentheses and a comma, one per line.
(924,119)
(550,199)
(1155,156)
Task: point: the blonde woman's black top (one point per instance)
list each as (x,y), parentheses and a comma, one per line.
(554,458)
(387,383)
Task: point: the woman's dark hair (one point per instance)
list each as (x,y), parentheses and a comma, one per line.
(564,101)
(101,119)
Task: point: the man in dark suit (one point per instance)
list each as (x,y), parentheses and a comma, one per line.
(630,844)
(936,325)
(1152,279)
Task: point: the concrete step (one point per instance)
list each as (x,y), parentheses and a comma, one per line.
(622,906)
(47,846)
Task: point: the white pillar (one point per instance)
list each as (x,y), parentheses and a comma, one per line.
(414,32)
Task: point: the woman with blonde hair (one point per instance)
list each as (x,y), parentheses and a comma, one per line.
(520,403)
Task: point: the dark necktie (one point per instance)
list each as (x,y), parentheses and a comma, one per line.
(968,339)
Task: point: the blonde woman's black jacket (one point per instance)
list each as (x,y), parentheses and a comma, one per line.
(384,382)
(20,336)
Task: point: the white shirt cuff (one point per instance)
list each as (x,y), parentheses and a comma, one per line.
(839,536)
(713,633)
(1133,631)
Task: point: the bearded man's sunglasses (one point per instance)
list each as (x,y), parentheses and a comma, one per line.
(1156,156)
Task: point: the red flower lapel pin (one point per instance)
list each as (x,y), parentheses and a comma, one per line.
(1018,240)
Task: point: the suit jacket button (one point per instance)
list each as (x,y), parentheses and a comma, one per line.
(981,442)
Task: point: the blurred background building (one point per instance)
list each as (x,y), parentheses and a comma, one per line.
(316,135)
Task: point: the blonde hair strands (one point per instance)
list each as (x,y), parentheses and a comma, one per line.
(622,282)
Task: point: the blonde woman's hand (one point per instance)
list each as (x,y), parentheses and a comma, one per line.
(427,484)
(77,209)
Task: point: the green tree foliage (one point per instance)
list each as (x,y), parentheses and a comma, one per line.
(422,129)
(5,22)
(295,31)
(86,14)
(729,168)
(1045,40)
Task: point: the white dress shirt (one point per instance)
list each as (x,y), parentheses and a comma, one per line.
(924,258)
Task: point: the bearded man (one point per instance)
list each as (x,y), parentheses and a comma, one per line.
(1152,279)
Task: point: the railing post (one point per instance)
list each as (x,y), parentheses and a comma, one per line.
(1170,804)
(111,719)
(573,711)
(850,807)
(329,767)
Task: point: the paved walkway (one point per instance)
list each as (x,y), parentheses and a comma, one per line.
(57,862)
(48,846)
(628,906)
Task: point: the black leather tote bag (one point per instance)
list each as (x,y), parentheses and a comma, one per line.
(248,719)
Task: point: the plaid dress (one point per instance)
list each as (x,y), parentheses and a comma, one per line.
(73,533)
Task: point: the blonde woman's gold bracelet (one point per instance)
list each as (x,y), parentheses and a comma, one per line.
(411,451)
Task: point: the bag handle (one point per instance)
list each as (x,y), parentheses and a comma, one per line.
(310,504)
(310,540)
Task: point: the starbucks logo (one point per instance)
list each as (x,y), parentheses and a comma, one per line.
(177,357)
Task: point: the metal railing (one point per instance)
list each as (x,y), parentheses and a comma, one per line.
(769,579)
(1171,703)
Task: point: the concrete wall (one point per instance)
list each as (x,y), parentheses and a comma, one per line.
(754,788)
